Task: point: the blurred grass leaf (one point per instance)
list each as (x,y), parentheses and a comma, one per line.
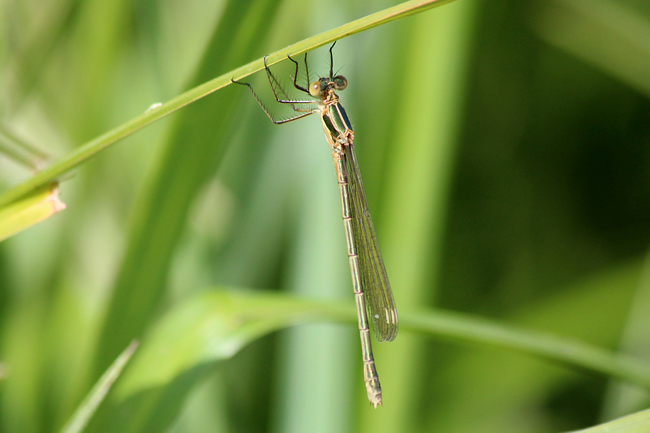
(214,326)
(21,151)
(605,33)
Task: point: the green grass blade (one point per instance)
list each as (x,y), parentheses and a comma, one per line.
(91,148)
(88,407)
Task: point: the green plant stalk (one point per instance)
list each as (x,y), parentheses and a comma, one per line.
(98,144)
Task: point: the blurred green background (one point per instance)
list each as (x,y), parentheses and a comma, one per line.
(505,148)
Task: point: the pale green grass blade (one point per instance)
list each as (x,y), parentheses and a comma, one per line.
(88,407)
(214,326)
(39,205)
(622,398)
(317,268)
(89,149)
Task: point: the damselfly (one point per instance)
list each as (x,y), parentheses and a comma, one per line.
(372,292)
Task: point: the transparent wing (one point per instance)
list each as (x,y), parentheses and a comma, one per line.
(379,297)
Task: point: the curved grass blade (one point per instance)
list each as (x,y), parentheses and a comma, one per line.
(215,325)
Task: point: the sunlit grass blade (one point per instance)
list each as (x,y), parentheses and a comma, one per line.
(41,204)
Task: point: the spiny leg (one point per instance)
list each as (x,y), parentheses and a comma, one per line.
(275,83)
(307,70)
(295,74)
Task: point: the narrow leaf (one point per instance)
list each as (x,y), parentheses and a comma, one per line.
(91,148)
(88,407)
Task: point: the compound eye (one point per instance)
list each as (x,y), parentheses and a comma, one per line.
(340,82)
(315,89)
